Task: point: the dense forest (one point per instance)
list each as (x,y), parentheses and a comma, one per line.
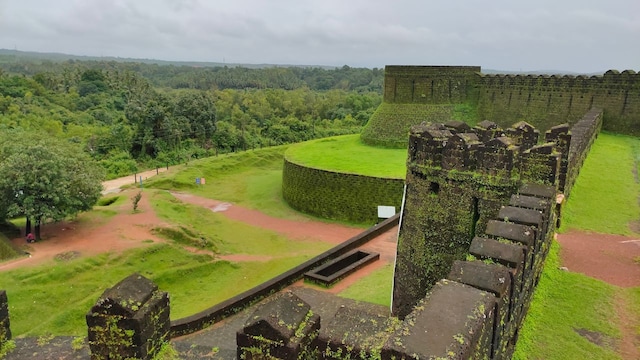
(128,115)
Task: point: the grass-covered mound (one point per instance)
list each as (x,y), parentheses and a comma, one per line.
(341,178)
(348,154)
(7,231)
(389,125)
(252,179)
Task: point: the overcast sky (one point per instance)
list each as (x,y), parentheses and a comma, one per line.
(571,35)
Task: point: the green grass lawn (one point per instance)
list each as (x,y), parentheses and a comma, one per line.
(252,179)
(194,282)
(228,236)
(348,154)
(375,288)
(604,198)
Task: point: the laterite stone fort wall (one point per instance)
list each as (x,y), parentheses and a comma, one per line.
(336,195)
(415,94)
(545,100)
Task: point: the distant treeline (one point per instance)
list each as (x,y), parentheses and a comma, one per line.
(213,78)
(124,114)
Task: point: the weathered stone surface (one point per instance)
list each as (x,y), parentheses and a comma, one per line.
(496,279)
(130,320)
(126,297)
(521,233)
(511,255)
(543,191)
(457,126)
(529,202)
(354,334)
(521,216)
(447,324)
(493,278)
(282,328)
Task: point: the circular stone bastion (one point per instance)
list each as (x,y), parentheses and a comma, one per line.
(341,178)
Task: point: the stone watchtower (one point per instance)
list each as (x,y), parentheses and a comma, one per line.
(429,84)
(457,179)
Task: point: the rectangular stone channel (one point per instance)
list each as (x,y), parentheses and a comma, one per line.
(336,269)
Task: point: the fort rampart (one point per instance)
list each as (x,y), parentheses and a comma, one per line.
(541,100)
(480,211)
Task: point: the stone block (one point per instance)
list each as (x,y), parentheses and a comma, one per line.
(521,233)
(354,334)
(521,216)
(452,322)
(529,202)
(282,328)
(511,255)
(129,320)
(542,191)
(495,279)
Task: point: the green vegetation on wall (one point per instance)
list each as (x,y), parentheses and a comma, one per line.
(336,195)
(442,209)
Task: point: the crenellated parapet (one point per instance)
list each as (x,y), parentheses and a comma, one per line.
(413,94)
(485,149)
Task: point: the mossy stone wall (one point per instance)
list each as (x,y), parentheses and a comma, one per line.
(428,84)
(340,196)
(545,101)
(415,94)
(438,225)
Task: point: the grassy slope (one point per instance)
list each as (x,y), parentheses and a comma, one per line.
(6,250)
(228,236)
(348,154)
(252,179)
(389,125)
(605,196)
(195,282)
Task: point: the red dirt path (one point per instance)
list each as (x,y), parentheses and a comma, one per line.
(333,233)
(609,258)
(121,232)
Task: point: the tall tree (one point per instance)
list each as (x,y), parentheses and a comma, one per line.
(44,179)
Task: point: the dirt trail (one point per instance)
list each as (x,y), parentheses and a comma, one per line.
(609,258)
(612,259)
(333,233)
(113,186)
(123,231)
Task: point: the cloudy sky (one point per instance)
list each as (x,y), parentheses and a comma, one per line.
(570,35)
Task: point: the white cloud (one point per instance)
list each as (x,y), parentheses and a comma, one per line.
(586,35)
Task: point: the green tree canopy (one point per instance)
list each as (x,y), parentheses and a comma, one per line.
(44,178)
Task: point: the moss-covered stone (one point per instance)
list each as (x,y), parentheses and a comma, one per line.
(336,195)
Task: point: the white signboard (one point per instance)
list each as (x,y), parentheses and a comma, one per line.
(385,212)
